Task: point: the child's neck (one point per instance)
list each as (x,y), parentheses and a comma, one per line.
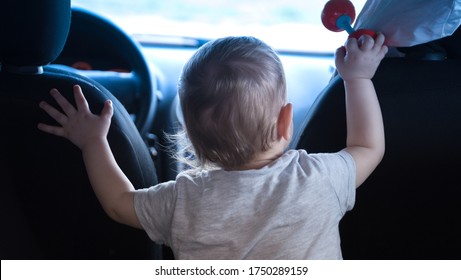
(264,158)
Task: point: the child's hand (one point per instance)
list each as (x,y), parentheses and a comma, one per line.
(78,125)
(359,59)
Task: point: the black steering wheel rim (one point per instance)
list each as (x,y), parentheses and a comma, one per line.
(93,37)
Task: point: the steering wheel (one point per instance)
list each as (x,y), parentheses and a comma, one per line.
(99,49)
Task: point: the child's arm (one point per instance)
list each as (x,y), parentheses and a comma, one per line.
(89,132)
(357,63)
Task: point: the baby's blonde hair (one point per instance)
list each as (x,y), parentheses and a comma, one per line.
(231,92)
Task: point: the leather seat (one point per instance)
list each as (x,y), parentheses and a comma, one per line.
(409,207)
(51,211)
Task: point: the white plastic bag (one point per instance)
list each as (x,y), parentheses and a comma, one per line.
(410,22)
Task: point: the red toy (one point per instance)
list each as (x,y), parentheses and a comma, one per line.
(338,15)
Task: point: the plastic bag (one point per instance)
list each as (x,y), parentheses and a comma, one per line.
(410,22)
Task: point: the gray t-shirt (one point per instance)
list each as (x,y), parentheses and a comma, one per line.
(289,209)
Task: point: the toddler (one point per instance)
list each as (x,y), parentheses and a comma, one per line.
(247,197)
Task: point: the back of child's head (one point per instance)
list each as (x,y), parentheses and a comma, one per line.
(231,93)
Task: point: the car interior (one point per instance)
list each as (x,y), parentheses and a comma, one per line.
(48,207)
(407,209)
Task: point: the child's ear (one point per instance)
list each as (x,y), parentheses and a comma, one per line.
(285,122)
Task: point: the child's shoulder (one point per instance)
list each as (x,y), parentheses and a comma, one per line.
(303,157)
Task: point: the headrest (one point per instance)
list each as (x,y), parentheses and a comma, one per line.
(446,48)
(452,44)
(33,33)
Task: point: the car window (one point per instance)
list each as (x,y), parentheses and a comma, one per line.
(291,25)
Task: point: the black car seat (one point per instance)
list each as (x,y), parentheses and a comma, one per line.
(48,209)
(410,207)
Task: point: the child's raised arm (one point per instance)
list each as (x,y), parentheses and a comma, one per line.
(89,132)
(357,63)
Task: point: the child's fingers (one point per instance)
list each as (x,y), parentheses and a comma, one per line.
(379,40)
(62,101)
(80,101)
(339,55)
(366,42)
(55,130)
(108,110)
(340,52)
(379,47)
(382,52)
(54,113)
(352,45)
